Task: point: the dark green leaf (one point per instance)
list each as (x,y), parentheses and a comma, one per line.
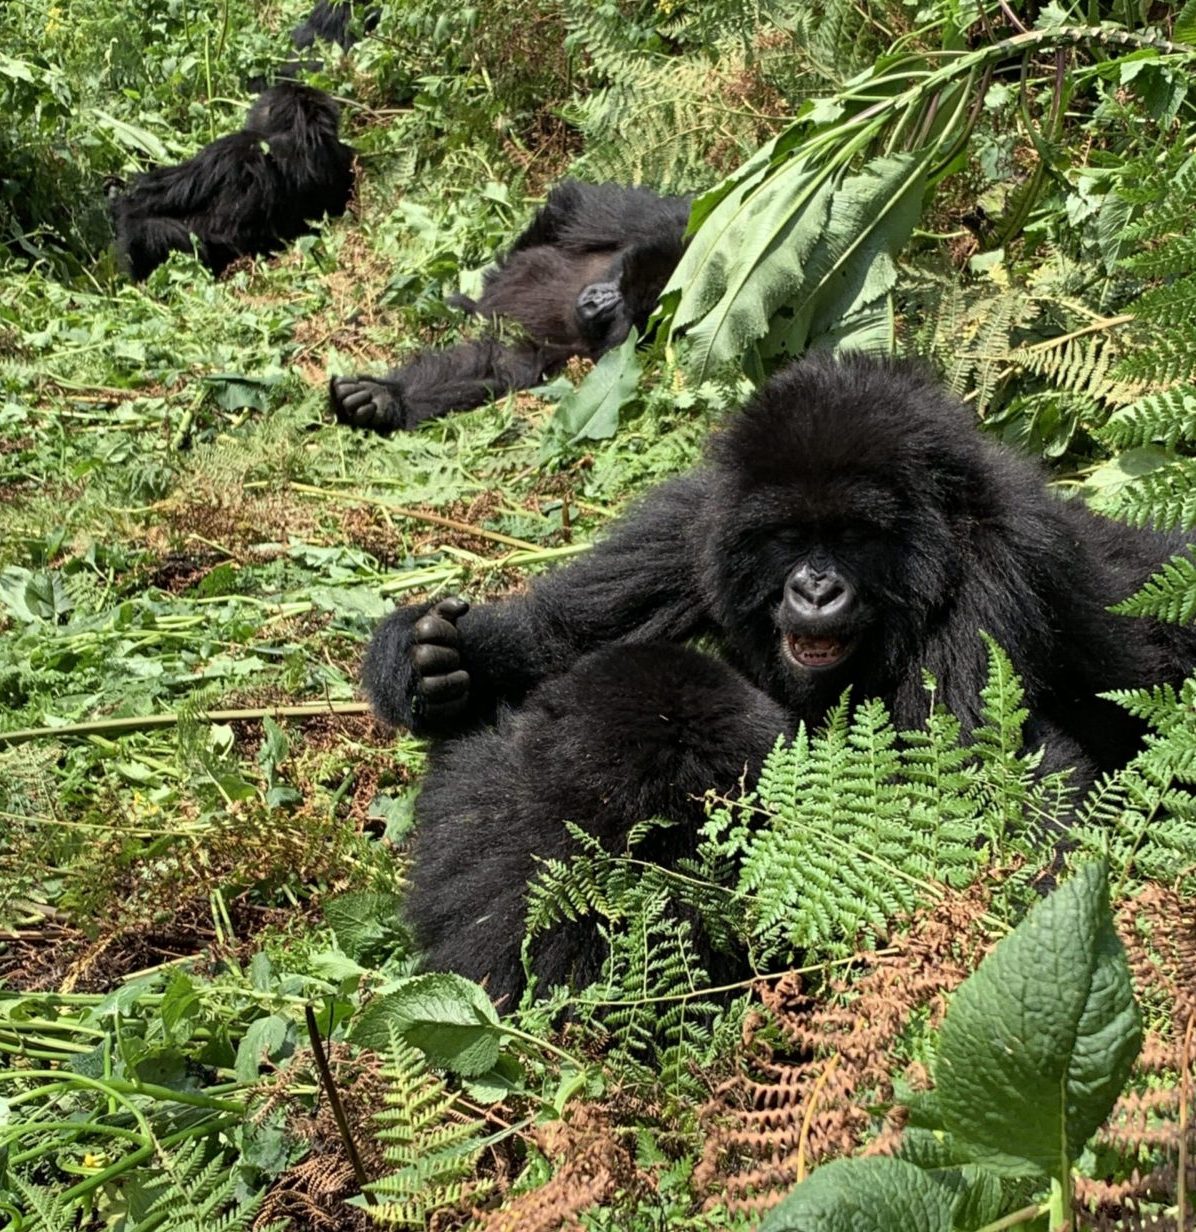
(267,1038)
(865,1195)
(591,411)
(1038,1042)
(446,1016)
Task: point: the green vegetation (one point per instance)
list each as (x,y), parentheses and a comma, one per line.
(208,1017)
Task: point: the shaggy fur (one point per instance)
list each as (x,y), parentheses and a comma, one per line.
(250,192)
(589,267)
(850,527)
(631,732)
(329,20)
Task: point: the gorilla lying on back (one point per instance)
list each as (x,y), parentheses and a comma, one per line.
(250,192)
(850,527)
(589,267)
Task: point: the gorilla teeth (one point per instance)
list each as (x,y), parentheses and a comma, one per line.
(816,651)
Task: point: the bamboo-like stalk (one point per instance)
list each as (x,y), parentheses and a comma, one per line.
(416,515)
(150,722)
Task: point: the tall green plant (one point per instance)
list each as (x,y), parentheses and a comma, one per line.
(797,248)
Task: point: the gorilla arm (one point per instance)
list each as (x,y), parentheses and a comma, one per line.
(441,668)
(435,382)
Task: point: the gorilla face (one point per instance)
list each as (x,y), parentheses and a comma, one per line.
(821,595)
(606,310)
(834,540)
(602,321)
(823,613)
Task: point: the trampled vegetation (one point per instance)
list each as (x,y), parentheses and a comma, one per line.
(208,1012)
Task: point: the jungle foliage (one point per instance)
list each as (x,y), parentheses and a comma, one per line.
(208,1012)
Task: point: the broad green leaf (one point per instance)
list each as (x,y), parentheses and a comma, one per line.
(269,1037)
(447,1017)
(234,392)
(1038,1042)
(34,596)
(180,1005)
(842,301)
(361,920)
(591,411)
(132,136)
(865,1195)
(747,261)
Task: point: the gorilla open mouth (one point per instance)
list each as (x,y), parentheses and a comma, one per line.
(816,653)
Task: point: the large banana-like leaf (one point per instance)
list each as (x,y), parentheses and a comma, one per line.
(801,254)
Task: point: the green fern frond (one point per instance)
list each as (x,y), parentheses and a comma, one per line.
(847,843)
(1167,417)
(611,38)
(432,1148)
(566,890)
(1144,817)
(648,1006)
(1162,706)
(1169,595)
(967,331)
(196,1191)
(650,998)
(1177,255)
(999,736)
(1082,366)
(1165,360)
(1172,306)
(1164,498)
(44,1209)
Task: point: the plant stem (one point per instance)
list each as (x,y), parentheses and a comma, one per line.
(1060,1203)
(417,515)
(536,1042)
(1185,1099)
(1016,1217)
(149,722)
(334,1102)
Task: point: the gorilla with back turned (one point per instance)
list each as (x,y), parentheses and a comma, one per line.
(250,192)
(849,527)
(588,268)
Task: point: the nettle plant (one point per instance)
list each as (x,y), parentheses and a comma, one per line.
(1034,1050)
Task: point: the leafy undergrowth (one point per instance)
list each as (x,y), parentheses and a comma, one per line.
(208,1016)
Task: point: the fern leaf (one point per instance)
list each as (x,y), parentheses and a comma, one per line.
(432,1147)
(1169,595)
(1167,417)
(1164,498)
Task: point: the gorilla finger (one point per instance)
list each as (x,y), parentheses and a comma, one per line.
(433,660)
(452,608)
(433,628)
(441,689)
(356,401)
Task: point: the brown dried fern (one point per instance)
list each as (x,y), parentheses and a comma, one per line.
(806,1100)
(1148,1122)
(592,1166)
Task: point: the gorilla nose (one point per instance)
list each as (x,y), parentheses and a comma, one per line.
(598,300)
(817,593)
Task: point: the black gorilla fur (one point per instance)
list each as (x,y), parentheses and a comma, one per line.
(250,192)
(329,20)
(589,267)
(630,732)
(850,526)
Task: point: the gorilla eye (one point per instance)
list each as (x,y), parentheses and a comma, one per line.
(790,537)
(857,532)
